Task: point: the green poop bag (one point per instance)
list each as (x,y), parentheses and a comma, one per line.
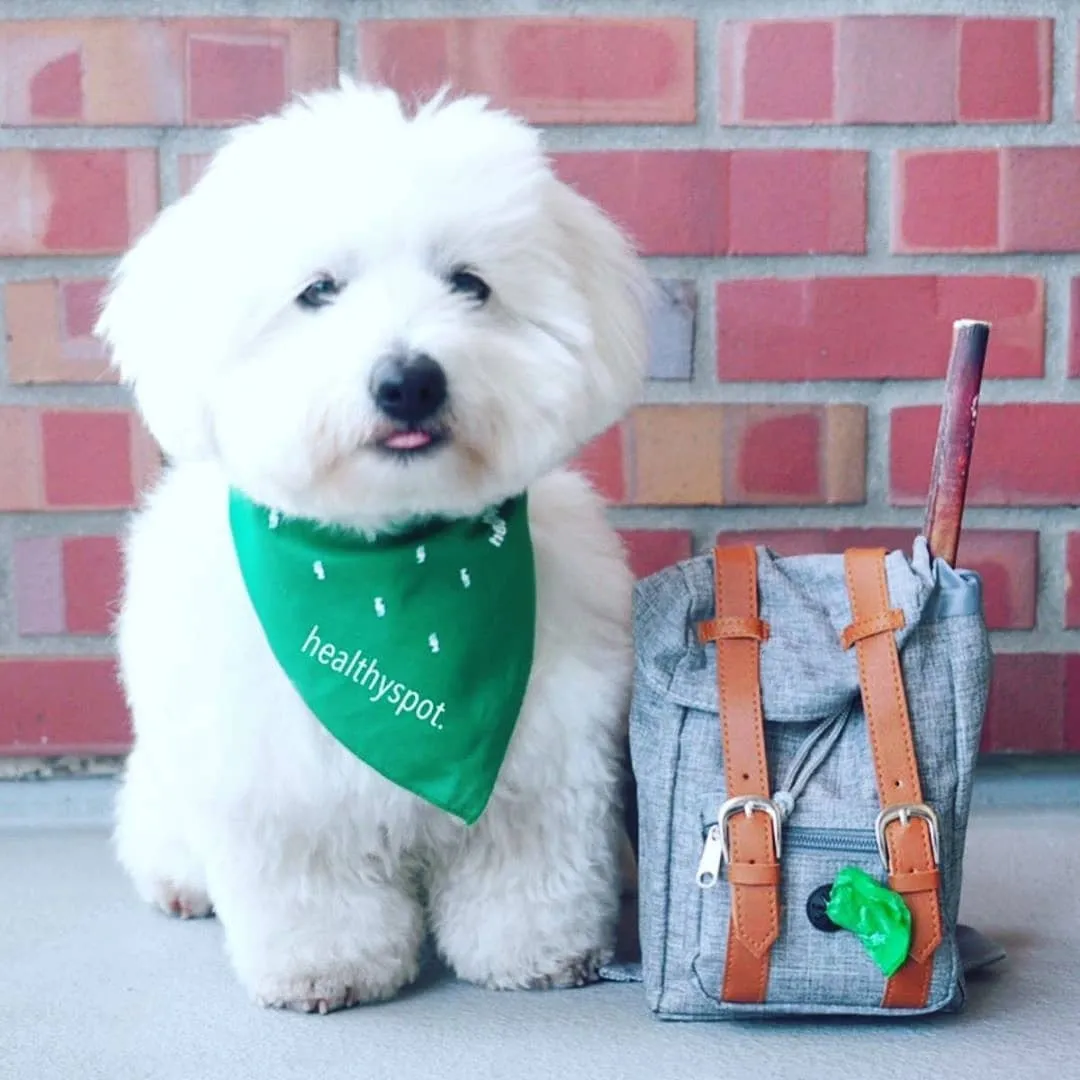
(875,914)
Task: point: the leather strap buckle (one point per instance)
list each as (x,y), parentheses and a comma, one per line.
(904,814)
(747,804)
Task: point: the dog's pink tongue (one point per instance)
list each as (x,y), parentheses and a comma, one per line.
(408,440)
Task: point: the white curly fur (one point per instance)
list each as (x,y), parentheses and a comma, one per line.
(325,876)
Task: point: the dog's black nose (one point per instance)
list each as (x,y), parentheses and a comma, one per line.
(409,389)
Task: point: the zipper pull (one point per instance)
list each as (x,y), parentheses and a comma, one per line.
(708,871)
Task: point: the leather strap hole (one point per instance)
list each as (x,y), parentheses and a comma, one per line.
(746,776)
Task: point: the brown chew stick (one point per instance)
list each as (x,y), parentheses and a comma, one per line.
(956,435)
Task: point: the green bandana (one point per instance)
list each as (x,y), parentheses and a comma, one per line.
(412,649)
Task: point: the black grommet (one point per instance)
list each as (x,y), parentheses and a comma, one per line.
(816,903)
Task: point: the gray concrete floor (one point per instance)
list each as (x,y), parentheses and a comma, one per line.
(93,985)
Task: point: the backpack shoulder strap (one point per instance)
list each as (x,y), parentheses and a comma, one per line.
(749,823)
(907,828)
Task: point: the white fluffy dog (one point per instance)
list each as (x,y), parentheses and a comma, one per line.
(254,320)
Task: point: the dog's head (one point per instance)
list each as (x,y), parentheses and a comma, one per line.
(364,315)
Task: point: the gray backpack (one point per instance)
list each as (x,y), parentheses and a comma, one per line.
(792,718)
(803,734)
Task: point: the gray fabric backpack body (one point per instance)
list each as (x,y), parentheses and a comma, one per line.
(793,718)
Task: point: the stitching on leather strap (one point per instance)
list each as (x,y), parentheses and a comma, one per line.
(861,629)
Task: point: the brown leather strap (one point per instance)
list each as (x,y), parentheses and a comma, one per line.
(864,628)
(753,866)
(916,881)
(754,874)
(912,864)
(733,626)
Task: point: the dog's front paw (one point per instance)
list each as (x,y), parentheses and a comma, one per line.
(565,974)
(180,901)
(339,987)
(579,971)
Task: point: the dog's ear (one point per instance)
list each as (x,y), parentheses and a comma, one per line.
(617,291)
(158,321)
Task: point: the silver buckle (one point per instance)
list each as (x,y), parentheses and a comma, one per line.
(747,804)
(904,814)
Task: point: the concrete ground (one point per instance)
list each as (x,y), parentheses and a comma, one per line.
(93,985)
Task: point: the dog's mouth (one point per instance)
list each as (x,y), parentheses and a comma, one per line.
(411,442)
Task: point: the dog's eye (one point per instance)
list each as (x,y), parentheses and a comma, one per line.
(469,284)
(319,293)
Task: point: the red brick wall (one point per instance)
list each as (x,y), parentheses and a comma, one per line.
(820,195)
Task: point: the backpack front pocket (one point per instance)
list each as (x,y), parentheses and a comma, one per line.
(814,966)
